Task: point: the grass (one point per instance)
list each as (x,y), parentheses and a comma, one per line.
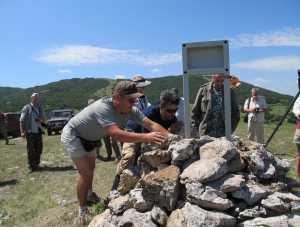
(45,198)
(48,198)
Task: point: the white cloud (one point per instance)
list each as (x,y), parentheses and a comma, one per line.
(64,71)
(155,70)
(85,54)
(120,76)
(260,82)
(279,63)
(284,37)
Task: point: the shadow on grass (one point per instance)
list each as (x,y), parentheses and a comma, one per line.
(56,168)
(9,182)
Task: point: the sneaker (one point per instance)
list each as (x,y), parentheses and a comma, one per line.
(83,217)
(93,198)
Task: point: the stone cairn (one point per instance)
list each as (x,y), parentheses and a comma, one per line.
(203,182)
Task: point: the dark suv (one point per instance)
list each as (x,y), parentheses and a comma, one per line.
(58,119)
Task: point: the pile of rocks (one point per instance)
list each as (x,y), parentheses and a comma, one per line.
(203,182)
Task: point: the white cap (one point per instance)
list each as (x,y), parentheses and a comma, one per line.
(34,94)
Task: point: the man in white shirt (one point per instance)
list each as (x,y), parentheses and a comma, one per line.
(296,111)
(256,107)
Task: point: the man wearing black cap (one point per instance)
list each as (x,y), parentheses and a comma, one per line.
(107,116)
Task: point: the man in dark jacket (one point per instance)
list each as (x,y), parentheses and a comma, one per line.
(208,116)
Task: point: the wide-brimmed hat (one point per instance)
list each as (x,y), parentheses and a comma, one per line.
(127,88)
(141,81)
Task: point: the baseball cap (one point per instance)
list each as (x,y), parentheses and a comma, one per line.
(34,94)
(141,81)
(127,88)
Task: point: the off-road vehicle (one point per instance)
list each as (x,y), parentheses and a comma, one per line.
(57,119)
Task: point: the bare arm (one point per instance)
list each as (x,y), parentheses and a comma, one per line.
(22,129)
(131,137)
(155,127)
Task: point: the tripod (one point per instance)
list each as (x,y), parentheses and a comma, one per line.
(286,113)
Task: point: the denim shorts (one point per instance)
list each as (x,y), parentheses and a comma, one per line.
(73,144)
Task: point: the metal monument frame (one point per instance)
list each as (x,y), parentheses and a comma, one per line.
(206,58)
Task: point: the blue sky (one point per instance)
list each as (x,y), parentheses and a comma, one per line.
(46,41)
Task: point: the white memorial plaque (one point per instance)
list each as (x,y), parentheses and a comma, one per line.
(206,58)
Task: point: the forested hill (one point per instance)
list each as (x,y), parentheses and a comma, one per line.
(75,92)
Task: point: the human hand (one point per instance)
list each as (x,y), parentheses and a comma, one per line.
(175,127)
(155,137)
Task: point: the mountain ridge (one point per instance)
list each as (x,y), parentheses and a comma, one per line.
(75,92)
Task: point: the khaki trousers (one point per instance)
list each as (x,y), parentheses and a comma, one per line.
(129,151)
(256,131)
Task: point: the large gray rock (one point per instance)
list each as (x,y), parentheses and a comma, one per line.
(254,212)
(105,219)
(156,157)
(250,193)
(265,165)
(280,202)
(159,216)
(172,138)
(204,140)
(278,221)
(220,148)
(228,183)
(207,197)
(275,204)
(119,205)
(182,150)
(236,164)
(133,218)
(288,197)
(138,202)
(194,216)
(282,166)
(162,187)
(204,170)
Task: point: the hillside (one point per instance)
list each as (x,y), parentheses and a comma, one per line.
(72,93)
(75,92)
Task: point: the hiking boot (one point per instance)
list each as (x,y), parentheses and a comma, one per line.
(83,218)
(93,198)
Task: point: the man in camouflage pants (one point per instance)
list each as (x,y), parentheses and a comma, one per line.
(208,109)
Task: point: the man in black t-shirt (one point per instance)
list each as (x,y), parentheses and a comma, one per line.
(162,113)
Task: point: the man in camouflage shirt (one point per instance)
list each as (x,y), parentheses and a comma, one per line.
(208,110)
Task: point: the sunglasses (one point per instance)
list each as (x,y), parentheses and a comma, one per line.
(131,100)
(171,110)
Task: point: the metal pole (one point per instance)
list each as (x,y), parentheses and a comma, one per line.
(282,119)
(286,113)
(186,95)
(227,109)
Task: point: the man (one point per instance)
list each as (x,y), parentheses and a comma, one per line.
(256,107)
(31,120)
(105,117)
(208,116)
(3,127)
(162,113)
(141,83)
(180,112)
(296,111)
(109,145)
